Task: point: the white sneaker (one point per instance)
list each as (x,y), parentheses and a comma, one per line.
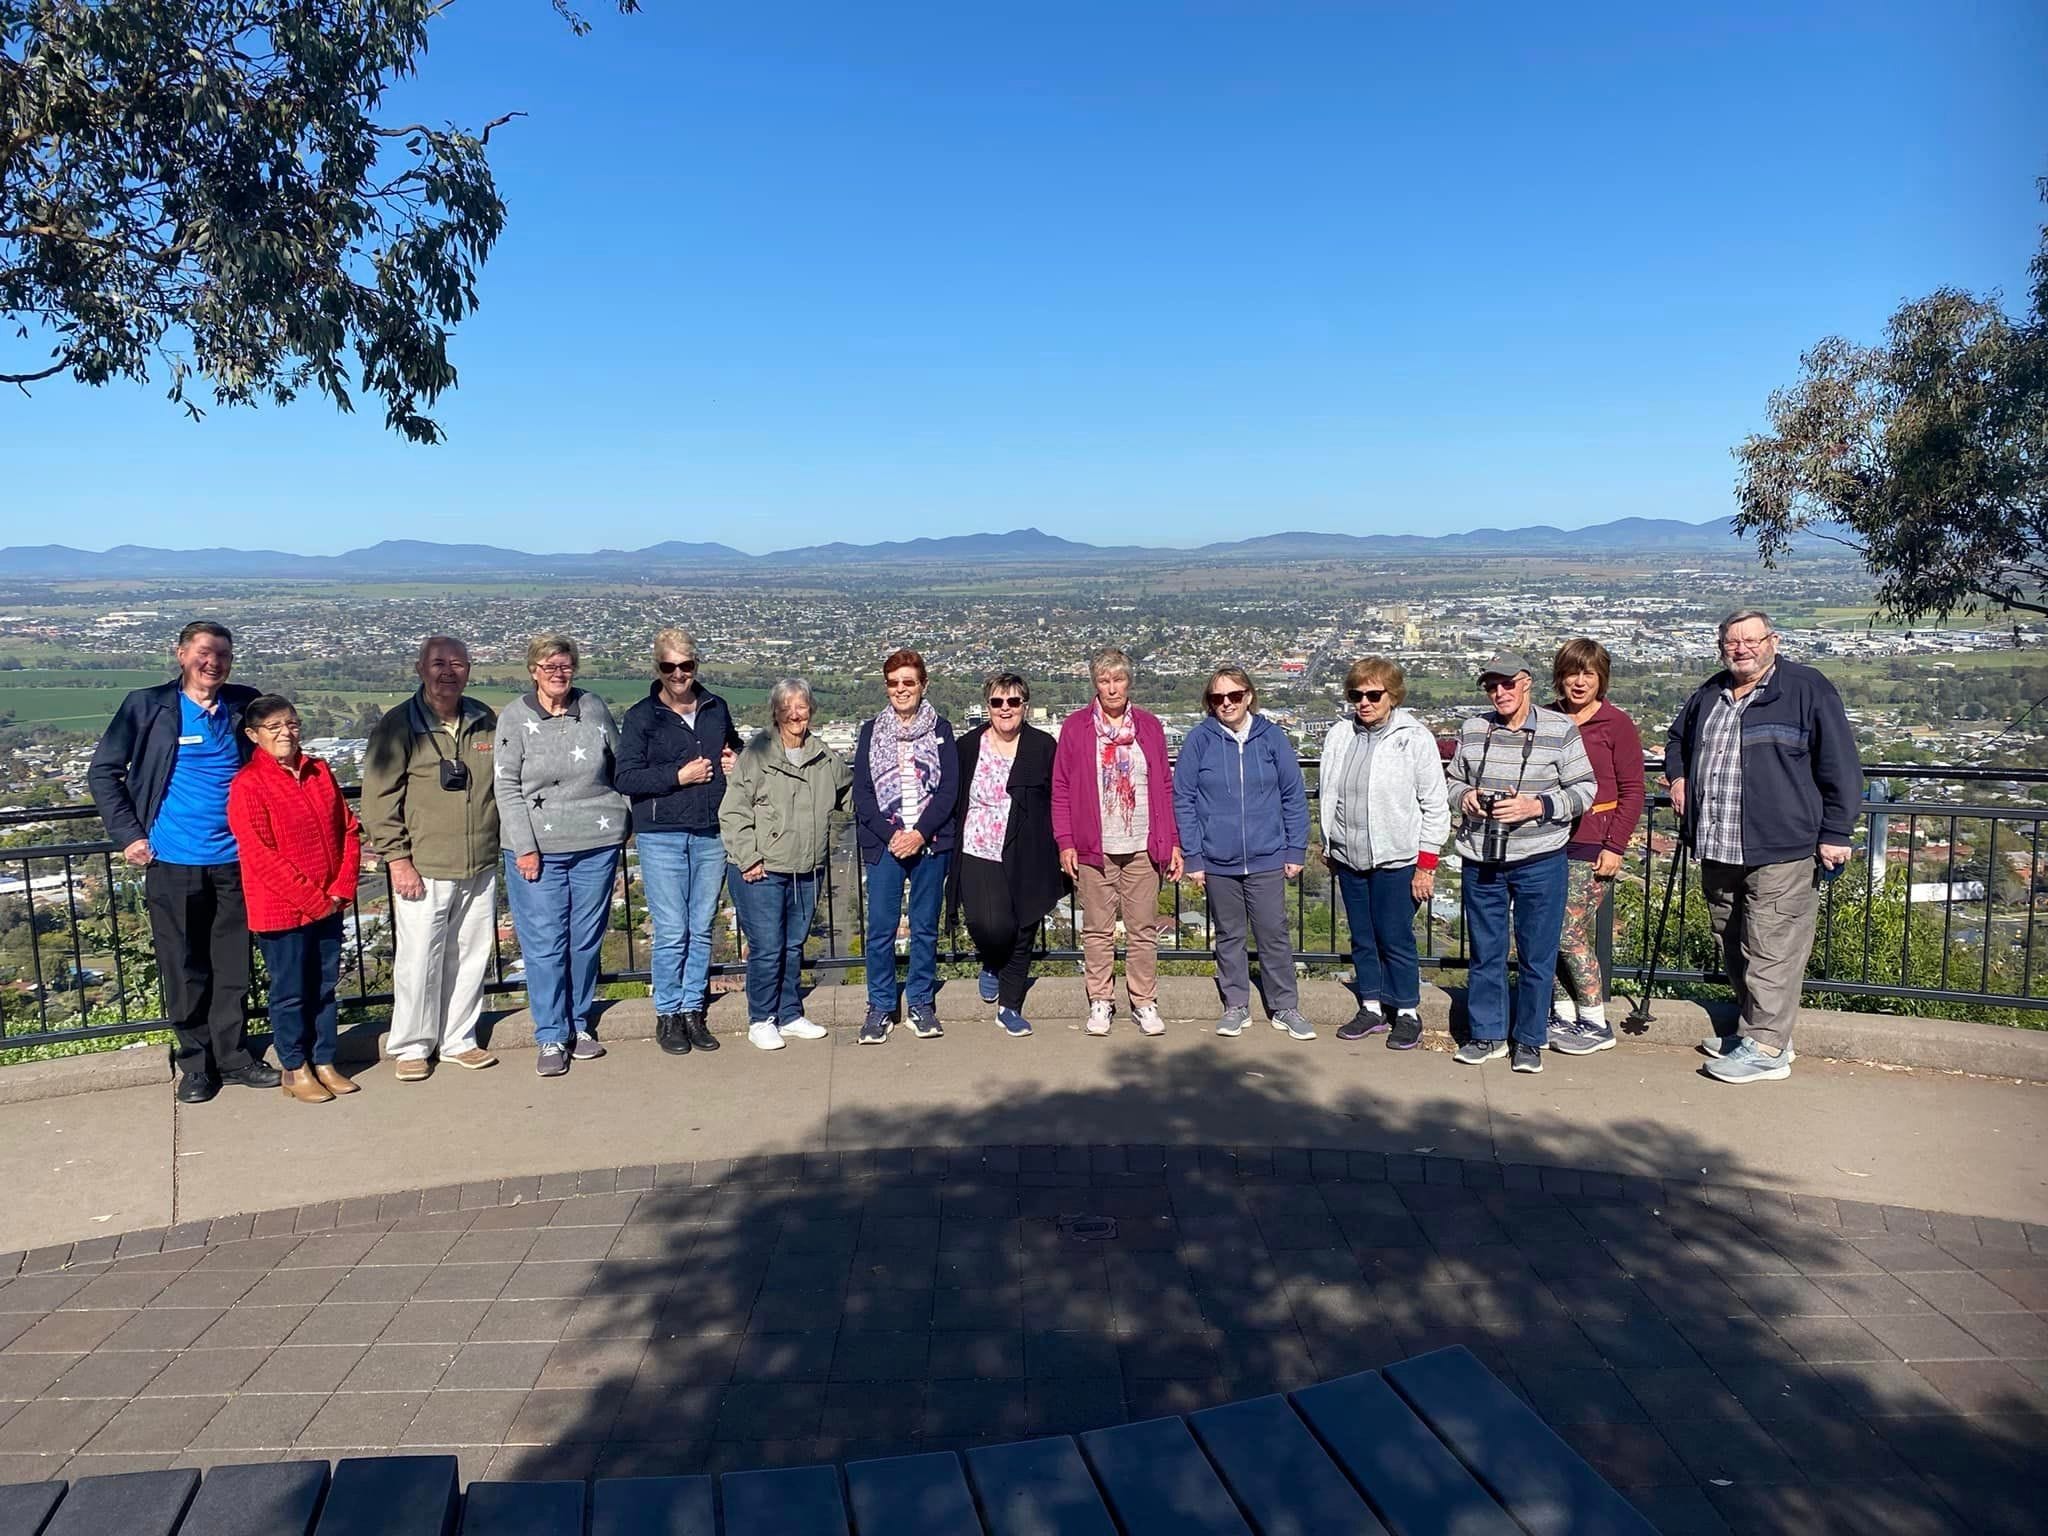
(764,1036)
(801,1028)
(1146,1017)
(1098,1017)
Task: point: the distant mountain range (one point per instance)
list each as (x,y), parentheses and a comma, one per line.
(402,559)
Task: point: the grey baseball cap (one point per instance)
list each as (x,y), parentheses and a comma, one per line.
(1505,664)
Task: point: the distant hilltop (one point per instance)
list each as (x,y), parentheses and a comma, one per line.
(401,559)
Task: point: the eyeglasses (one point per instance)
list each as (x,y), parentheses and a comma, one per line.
(280,728)
(1748,645)
(1231,696)
(902,687)
(1370,695)
(670,668)
(1012,702)
(558,669)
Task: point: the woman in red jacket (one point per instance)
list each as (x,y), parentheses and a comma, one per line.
(301,848)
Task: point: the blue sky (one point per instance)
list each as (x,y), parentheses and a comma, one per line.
(1161,272)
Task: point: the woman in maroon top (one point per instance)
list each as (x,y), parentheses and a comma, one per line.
(1599,840)
(301,849)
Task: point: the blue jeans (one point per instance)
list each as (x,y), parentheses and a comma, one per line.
(1379,904)
(561,920)
(775,915)
(926,873)
(680,873)
(1531,895)
(304,966)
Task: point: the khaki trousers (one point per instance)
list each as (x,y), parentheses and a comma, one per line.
(1763,915)
(1126,886)
(445,941)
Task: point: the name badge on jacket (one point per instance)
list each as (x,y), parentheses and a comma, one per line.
(191,741)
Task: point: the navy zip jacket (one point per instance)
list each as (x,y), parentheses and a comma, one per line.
(873,829)
(1801,779)
(131,767)
(1240,811)
(653,744)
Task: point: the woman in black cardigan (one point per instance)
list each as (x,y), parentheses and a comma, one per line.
(1007,873)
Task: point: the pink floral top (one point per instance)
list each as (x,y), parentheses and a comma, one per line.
(988,807)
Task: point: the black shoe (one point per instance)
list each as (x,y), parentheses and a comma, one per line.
(698,1030)
(668,1034)
(258,1074)
(1406,1033)
(1367,1021)
(194,1088)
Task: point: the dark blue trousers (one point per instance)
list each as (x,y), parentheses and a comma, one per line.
(304,966)
(1530,896)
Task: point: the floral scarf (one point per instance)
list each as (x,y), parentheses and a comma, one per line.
(885,758)
(1116,748)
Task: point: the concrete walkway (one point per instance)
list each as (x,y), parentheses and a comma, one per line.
(107,1162)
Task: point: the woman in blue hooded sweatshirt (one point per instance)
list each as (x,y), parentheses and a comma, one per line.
(1242,810)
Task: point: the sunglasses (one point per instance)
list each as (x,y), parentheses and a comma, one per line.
(1233,696)
(1012,702)
(670,668)
(1370,695)
(1496,684)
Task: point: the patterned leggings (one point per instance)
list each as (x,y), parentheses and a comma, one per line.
(1578,960)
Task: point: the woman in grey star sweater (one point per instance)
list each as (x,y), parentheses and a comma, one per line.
(561,824)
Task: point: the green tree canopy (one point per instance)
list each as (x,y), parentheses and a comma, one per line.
(1927,454)
(204,190)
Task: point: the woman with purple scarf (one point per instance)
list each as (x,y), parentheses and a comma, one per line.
(906,779)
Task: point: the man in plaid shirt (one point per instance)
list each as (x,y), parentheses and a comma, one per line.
(1764,777)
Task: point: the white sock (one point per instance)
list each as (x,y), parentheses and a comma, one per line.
(1408,1013)
(1566,1010)
(1595,1015)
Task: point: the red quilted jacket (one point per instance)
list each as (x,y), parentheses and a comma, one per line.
(300,843)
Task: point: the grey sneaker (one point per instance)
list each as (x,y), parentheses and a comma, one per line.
(1474,1053)
(586,1047)
(1721,1045)
(1579,1038)
(924,1021)
(1297,1027)
(1746,1063)
(1527,1058)
(553,1062)
(874,1029)
(1233,1022)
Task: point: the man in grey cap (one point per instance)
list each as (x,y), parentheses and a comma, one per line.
(1519,778)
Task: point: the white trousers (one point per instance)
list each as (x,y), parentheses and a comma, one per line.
(444,951)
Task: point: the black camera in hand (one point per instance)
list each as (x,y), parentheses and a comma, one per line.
(1493,835)
(454,774)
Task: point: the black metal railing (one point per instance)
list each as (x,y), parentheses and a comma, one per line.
(1947,913)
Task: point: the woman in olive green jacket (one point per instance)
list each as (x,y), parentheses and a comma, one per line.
(776,822)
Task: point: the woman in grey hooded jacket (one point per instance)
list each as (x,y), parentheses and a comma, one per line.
(1385,813)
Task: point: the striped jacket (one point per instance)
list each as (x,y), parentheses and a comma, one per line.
(1545,757)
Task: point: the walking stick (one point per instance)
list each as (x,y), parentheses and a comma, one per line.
(1641,1014)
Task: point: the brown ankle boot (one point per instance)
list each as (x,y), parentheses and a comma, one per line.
(300,1083)
(332,1079)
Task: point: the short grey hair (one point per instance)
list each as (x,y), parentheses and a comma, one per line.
(433,642)
(1109,659)
(790,689)
(1741,616)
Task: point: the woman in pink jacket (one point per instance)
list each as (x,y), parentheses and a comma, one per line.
(1112,816)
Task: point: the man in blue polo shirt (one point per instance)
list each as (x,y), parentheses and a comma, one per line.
(160,780)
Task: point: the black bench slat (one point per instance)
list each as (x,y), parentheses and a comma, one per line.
(391,1496)
(1038,1488)
(653,1506)
(925,1494)
(523,1509)
(784,1501)
(1158,1481)
(271,1499)
(1541,1481)
(132,1503)
(25,1506)
(1284,1481)
(1410,1476)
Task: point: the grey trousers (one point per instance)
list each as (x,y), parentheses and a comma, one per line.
(1763,916)
(1258,904)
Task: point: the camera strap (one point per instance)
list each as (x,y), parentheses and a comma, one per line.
(1486,750)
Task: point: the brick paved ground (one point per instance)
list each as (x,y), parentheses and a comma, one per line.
(1733,1360)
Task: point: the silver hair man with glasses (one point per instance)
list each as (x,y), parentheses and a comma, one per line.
(1764,776)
